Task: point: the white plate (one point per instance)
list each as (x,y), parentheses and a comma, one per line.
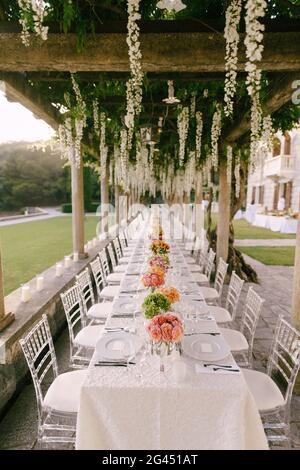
(118,345)
(205,347)
(126,306)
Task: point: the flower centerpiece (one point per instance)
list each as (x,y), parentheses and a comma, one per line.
(171,293)
(153,279)
(154,304)
(160,261)
(166,332)
(159,247)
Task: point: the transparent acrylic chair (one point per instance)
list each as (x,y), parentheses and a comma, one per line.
(273,391)
(228,314)
(213,294)
(57,405)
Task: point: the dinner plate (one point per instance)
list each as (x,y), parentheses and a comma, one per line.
(205,347)
(126,306)
(118,345)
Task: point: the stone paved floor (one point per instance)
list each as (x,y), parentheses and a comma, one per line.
(275,287)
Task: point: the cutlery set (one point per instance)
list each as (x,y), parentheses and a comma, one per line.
(113,363)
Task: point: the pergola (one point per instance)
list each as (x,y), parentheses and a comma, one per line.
(186,50)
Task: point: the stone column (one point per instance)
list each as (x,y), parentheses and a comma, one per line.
(105,202)
(223,214)
(77,210)
(5,318)
(296,282)
(117,203)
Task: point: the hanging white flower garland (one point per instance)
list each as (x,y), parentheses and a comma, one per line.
(34,10)
(183,129)
(96,116)
(229,164)
(237,176)
(233,16)
(255,10)
(215,134)
(267,135)
(103,147)
(199,130)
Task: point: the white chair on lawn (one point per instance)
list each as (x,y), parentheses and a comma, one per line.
(110,278)
(95,311)
(204,278)
(213,294)
(115,267)
(104,292)
(228,314)
(272,400)
(58,406)
(241,342)
(82,338)
(120,258)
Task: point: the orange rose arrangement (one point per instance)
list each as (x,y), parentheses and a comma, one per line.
(159,247)
(157,270)
(171,293)
(152,279)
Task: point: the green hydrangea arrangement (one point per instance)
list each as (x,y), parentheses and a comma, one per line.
(154,304)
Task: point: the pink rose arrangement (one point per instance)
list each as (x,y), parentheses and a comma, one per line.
(166,328)
(152,279)
(160,262)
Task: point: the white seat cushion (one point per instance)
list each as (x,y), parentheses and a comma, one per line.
(88,336)
(200,278)
(120,269)
(209,293)
(114,278)
(64,392)
(100,310)
(195,268)
(235,339)
(109,292)
(124,260)
(264,390)
(221,314)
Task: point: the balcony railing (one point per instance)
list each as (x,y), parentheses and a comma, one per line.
(281,166)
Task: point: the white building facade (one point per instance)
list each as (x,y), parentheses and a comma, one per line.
(277,175)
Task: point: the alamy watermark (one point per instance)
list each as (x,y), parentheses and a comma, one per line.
(296,93)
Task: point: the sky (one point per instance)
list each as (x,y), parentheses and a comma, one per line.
(19,124)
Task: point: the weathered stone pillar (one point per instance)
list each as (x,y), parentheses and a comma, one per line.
(223,214)
(296,282)
(5,318)
(77,210)
(105,202)
(117,203)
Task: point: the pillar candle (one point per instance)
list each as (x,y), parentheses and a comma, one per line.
(75,257)
(95,241)
(59,270)
(39,283)
(68,262)
(26,294)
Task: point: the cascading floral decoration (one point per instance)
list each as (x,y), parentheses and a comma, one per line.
(237,175)
(215,134)
(183,129)
(199,129)
(229,163)
(32,16)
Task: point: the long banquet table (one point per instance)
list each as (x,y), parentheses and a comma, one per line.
(204,410)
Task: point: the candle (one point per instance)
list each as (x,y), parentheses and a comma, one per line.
(59,270)
(75,257)
(26,294)
(68,262)
(95,241)
(39,283)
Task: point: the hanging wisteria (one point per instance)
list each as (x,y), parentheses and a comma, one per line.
(33,13)
(233,16)
(199,130)
(215,134)
(193,105)
(229,164)
(255,10)
(267,135)
(96,116)
(183,129)
(237,176)
(103,146)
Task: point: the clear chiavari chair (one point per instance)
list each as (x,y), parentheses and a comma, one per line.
(213,294)
(82,338)
(92,310)
(115,267)
(228,314)
(120,258)
(273,391)
(57,404)
(241,342)
(104,291)
(111,278)
(204,278)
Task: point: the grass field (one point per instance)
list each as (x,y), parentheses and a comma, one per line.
(277,256)
(32,247)
(243,230)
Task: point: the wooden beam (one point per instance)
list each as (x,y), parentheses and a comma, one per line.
(278,96)
(18,89)
(194,52)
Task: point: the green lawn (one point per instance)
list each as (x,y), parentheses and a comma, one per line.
(277,256)
(243,230)
(32,247)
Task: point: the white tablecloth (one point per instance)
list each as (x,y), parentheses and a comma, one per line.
(276,223)
(120,411)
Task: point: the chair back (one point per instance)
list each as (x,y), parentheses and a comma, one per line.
(112,255)
(250,317)
(73,310)
(104,262)
(284,361)
(98,275)
(233,294)
(220,276)
(209,263)
(117,248)
(122,240)
(40,356)
(85,289)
